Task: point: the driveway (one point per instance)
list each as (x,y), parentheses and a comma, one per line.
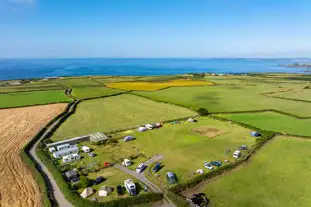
(142,178)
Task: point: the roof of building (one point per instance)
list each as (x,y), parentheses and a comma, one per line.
(71,173)
(66,141)
(99,136)
(60,152)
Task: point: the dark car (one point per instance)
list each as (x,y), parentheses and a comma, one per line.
(119,190)
(98,180)
(216,163)
(156,168)
(243,147)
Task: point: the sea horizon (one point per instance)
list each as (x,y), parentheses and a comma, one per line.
(27,68)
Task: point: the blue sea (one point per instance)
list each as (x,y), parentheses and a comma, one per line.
(40,68)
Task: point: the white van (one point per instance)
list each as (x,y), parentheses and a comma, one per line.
(237,154)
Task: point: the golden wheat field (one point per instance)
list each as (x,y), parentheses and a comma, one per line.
(152,86)
(17,127)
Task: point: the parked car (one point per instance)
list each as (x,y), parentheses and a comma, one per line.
(216,163)
(237,154)
(171,178)
(128,138)
(119,190)
(91,154)
(208,166)
(140,168)
(243,147)
(98,180)
(157,167)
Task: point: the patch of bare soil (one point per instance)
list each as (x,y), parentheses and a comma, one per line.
(17,127)
(207,131)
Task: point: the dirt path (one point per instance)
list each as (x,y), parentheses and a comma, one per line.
(17,127)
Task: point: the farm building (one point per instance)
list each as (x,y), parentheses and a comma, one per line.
(71,141)
(71,157)
(98,137)
(87,192)
(104,191)
(67,151)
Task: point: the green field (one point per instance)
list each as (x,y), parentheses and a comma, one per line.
(273,122)
(184,151)
(86,87)
(117,112)
(114,177)
(229,98)
(36,86)
(300,94)
(32,98)
(276,176)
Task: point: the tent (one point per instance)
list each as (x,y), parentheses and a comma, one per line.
(87,192)
(104,191)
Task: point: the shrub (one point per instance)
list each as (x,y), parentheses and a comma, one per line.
(203,111)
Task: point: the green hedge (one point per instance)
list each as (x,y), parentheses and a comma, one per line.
(177,199)
(47,195)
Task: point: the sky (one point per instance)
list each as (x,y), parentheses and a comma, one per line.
(155,28)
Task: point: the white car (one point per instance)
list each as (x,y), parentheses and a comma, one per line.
(208,166)
(140,168)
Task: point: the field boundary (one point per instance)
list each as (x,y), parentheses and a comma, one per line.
(37,90)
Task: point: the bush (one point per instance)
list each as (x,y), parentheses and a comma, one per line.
(203,112)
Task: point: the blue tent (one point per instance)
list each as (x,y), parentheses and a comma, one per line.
(255,134)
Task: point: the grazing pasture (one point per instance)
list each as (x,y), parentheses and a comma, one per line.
(273,122)
(184,151)
(276,176)
(229,98)
(156,85)
(32,98)
(17,127)
(117,112)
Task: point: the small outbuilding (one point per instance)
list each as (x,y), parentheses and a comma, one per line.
(87,192)
(104,191)
(71,174)
(98,137)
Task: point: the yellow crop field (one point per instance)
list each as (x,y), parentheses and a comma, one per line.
(152,86)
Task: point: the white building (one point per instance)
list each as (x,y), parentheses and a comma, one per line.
(63,146)
(70,158)
(66,151)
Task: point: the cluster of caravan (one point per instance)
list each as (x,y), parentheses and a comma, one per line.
(67,152)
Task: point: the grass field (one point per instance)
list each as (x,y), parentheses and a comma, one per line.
(114,177)
(87,88)
(273,122)
(117,112)
(228,98)
(32,98)
(276,176)
(300,94)
(184,151)
(156,85)
(30,87)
